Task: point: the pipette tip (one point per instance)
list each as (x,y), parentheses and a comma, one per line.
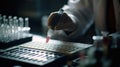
(47,39)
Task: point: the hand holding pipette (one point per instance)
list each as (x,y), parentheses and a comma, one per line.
(53,24)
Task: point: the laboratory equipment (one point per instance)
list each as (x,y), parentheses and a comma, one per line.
(11,31)
(41,54)
(49,34)
(33,57)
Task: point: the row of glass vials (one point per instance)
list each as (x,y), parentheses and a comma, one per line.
(13,25)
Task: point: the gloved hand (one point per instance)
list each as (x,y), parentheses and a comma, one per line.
(61,22)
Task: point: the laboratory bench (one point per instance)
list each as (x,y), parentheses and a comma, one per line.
(35,52)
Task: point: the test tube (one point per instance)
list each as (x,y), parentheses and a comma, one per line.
(21,25)
(10,21)
(14,24)
(17,29)
(26,22)
(3,27)
(26,27)
(4,22)
(6,29)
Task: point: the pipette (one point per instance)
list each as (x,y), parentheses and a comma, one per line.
(49,34)
(53,24)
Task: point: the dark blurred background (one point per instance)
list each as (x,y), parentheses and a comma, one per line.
(34,9)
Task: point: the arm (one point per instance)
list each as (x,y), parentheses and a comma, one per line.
(78,14)
(81,12)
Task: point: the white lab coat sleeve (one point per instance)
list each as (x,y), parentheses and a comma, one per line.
(81,12)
